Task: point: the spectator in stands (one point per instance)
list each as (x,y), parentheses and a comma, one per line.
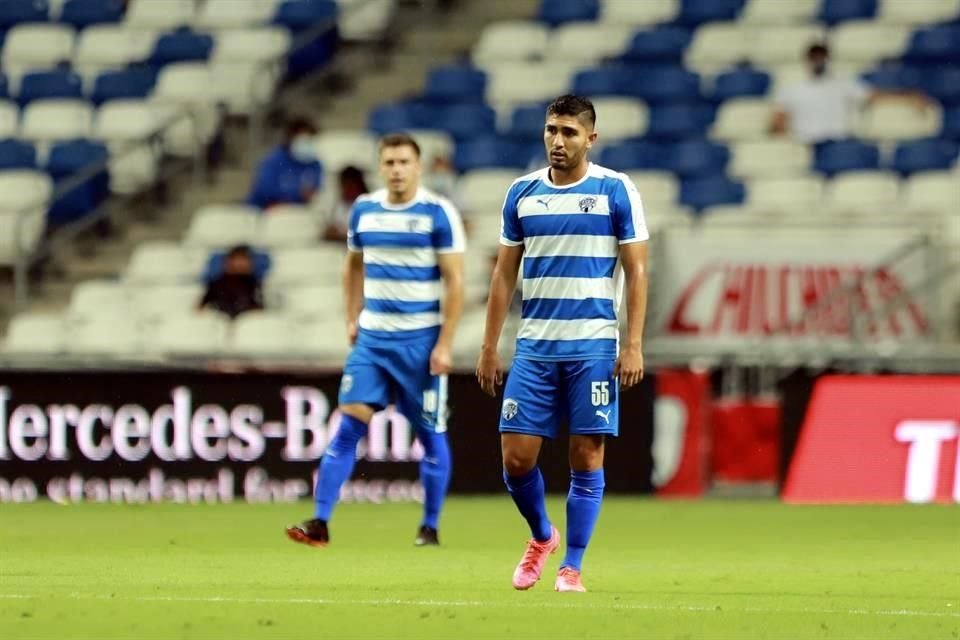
(824,107)
(291,173)
(237,289)
(351,186)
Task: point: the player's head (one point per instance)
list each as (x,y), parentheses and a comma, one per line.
(400,165)
(569,131)
(818,56)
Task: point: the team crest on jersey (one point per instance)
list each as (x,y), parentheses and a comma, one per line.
(587,204)
(510,408)
(346,383)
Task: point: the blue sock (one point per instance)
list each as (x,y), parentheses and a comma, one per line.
(583,509)
(434,474)
(527,492)
(337,465)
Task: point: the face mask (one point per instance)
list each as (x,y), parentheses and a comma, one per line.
(302,149)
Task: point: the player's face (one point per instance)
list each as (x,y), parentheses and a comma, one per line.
(400,170)
(567,141)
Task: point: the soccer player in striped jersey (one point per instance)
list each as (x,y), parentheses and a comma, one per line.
(405,256)
(578,230)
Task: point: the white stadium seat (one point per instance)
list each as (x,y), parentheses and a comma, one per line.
(33,46)
(770,159)
(222,225)
(639,14)
(588,43)
(717,46)
(742,119)
(233,14)
(9,119)
(154,263)
(620,118)
(102,47)
(263,333)
(891,121)
(24,198)
(658,189)
(799,196)
(867,41)
(339,148)
(190,333)
(313,300)
(121,124)
(511,41)
(918,12)
(108,335)
(783,44)
(51,120)
(862,192)
(288,225)
(188,86)
(36,333)
(160,16)
(252,44)
(243,87)
(291,267)
(94,299)
(432,144)
(775,12)
(365,20)
(153,303)
(513,84)
(323,338)
(483,190)
(931,192)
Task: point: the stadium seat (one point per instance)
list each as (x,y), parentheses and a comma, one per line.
(254,44)
(890,121)
(847,155)
(9,119)
(557,12)
(918,12)
(742,119)
(307,265)
(663,46)
(312,301)
(188,85)
(159,16)
(702,193)
(639,14)
(618,118)
(863,193)
(777,12)
(489,153)
(942,84)
(243,87)
(14,12)
(182,45)
(770,159)
(697,12)
(518,83)
(108,47)
(265,333)
(111,336)
(26,196)
(261,259)
(124,84)
(633,155)
(589,43)
(35,333)
(464,121)
(233,14)
(455,83)
(483,190)
(162,263)
(510,41)
(4,88)
(951,123)
(717,46)
(82,13)
(93,299)
(365,20)
(399,117)
(152,303)
(657,188)
(795,196)
(696,159)
(894,77)
(189,334)
(36,46)
(65,161)
(930,192)
(288,226)
(44,85)
(740,82)
(221,226)
(775,45)
(666,84)
(432,143)
(341,147)
(121,125)
(932,154)
(604,81)
(323,338)
(934,45)
(50,120)
(16,154)
(526,122)
(867,42)
(834,12)
(678,122)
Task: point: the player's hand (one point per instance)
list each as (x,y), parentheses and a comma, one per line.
(629,367)
(489,374)
(441,360)
(352,333)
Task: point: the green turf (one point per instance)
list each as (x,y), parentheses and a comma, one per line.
(713,569)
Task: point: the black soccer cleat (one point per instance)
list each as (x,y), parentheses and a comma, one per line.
(312,532)
(426,536)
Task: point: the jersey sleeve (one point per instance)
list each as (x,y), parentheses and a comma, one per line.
(353,237)
(627,210)
(448,234)
(511,233)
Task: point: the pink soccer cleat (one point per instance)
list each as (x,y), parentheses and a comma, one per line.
(531,564)
(568,579)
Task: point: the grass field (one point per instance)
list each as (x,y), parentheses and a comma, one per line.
(714,569)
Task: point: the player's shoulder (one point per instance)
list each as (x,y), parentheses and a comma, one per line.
(435,202)
(375,197)
(609,179)
(528,181)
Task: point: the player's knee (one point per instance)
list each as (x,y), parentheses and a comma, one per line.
(362,412)
(586,453)
(515,463)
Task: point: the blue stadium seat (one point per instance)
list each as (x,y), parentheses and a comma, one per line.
(490,153)
(603,81)
(664,46)
(951,123)
(83,13)
(16,11)
(835,11)
(740,82)
(665,84)
(127,83)
(398,117)
(845,155)
(696,159)
(66,159)
(943,84)
(183,45)
(16,154)
(40,85)
(678,122)
(711,192)
(526,122)
(465,121)
(893,77)
(300,16)
(555,12)
(455,83)
(631,155)
(4,91)
(935,45)
(925,155)
(696,12)
(262,262)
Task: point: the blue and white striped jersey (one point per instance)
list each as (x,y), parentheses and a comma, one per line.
(572,280)
(400,243)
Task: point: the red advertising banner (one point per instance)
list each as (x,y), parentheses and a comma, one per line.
(879,439)
(679,442)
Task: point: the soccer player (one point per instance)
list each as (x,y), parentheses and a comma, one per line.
(405,254)
(573,224)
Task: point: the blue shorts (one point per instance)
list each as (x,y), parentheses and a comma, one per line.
(539,395)
(377,376)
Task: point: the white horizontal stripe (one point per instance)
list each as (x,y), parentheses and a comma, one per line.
(559,203)
(568,288)
(395,222)
(534,329)
(408,290)
(397,321)
(571,245)
(400,256)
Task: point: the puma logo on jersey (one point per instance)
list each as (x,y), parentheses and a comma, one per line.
(604,415)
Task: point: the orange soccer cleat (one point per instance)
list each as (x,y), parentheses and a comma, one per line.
(568,579)
(531,564)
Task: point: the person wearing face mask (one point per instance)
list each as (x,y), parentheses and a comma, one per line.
(823,107)
(291,172)
(352,185)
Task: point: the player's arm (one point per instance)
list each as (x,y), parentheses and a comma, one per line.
(353,291)
(503,283)
(451,272)
(633,257)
